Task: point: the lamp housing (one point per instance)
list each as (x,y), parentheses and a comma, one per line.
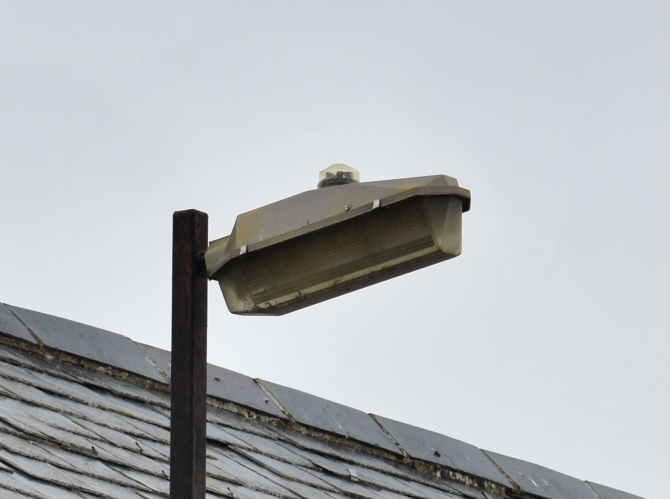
(327,242)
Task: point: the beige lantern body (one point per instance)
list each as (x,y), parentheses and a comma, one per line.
(328,242)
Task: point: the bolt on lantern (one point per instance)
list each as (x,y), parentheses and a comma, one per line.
(341,237)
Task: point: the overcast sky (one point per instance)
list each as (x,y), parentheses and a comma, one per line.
(546,340)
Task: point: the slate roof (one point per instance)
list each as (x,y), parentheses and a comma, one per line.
(85,413)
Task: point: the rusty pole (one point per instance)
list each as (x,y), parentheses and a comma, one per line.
(189,356)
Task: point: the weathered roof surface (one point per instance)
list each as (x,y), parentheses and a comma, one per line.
(85,413)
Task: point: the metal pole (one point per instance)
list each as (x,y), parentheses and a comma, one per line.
(189,356)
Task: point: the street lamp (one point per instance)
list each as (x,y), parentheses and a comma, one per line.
(288,255)
(336,239)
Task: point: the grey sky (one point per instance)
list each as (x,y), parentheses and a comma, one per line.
(546,340)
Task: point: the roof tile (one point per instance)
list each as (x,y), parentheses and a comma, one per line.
(223,384)
(286,470)
(20,483)
(610,493)
(88,342)
(159,485)
(121,439)
(307,492)
(243,471)
(329,416)
(541,481)
(228,385)
(446,451)
(11,326)
(349,486)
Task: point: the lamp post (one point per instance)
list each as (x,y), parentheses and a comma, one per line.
(289,255)
(188,411)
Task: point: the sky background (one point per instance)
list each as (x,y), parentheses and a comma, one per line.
(546,340)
